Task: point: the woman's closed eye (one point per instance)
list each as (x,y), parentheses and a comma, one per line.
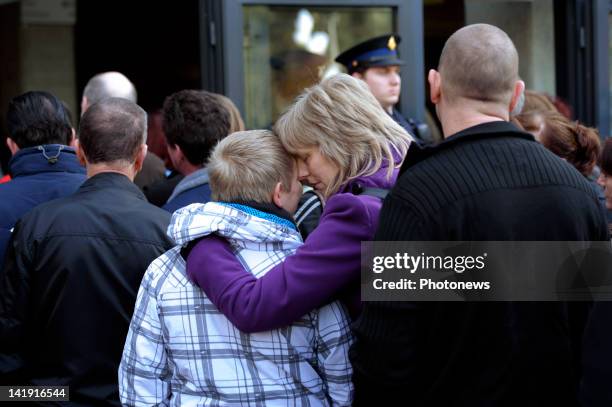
(303,157)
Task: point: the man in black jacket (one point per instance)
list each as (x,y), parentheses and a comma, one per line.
(487,181)
(74,266)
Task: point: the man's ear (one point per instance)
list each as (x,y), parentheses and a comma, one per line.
(80,153)
(12,145)
(276,195)
(435,88)
(72,142)
(519,88)
(176,155)
(84,104)
(357,75)
(140,157)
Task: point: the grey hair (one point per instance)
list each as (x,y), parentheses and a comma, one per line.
(113,131)
(345,121)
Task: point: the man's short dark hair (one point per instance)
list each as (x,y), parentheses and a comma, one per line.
(195,120)
(112,130)
(36,118)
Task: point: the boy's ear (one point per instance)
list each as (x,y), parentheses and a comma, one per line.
(276,195)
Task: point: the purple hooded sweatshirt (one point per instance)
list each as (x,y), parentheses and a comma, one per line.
(325,268)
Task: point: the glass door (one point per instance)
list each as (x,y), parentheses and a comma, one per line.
(289,48)
(274,49)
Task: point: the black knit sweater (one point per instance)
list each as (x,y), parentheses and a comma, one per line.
(488,182)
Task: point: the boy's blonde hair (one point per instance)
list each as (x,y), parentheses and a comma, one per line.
(344,120)
(247,165)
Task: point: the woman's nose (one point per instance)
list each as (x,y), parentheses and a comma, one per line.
(302,170)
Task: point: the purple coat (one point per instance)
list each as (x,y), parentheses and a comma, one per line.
(325,268)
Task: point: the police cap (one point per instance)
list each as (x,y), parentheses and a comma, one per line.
(379,51)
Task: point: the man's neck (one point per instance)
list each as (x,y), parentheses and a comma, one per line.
(461,117)
(189,168)
(95,169)
(454,126)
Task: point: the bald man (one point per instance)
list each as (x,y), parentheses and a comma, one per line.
(116,85)
(105,85)
(492,182)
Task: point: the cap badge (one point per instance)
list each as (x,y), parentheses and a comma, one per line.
(354,63)
(391,44)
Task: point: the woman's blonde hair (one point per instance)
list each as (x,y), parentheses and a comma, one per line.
(342,117)
(236,122)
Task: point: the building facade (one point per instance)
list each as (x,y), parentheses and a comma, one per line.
(262,53)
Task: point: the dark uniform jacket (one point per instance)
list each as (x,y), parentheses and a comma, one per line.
(68,291)
(488,182)
(417,130)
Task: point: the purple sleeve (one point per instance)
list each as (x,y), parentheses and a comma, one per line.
(328,261)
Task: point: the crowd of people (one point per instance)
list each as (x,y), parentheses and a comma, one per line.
(236,279)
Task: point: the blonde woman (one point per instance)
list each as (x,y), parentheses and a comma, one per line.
(344,142)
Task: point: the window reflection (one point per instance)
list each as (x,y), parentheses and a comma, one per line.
(287,49)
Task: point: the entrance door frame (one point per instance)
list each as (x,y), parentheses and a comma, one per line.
(583,78)
(222,36)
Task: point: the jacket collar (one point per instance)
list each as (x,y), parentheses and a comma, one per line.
(379,179)
(234,221)
(113,180)
(269,208)
(495,129)
(45,158)
(193,180)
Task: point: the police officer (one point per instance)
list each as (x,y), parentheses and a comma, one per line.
(375,61)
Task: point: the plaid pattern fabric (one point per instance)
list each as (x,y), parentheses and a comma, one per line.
(180,350)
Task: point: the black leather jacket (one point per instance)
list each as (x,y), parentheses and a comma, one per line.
(69,286)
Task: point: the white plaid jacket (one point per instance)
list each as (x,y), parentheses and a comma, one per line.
(180,350)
